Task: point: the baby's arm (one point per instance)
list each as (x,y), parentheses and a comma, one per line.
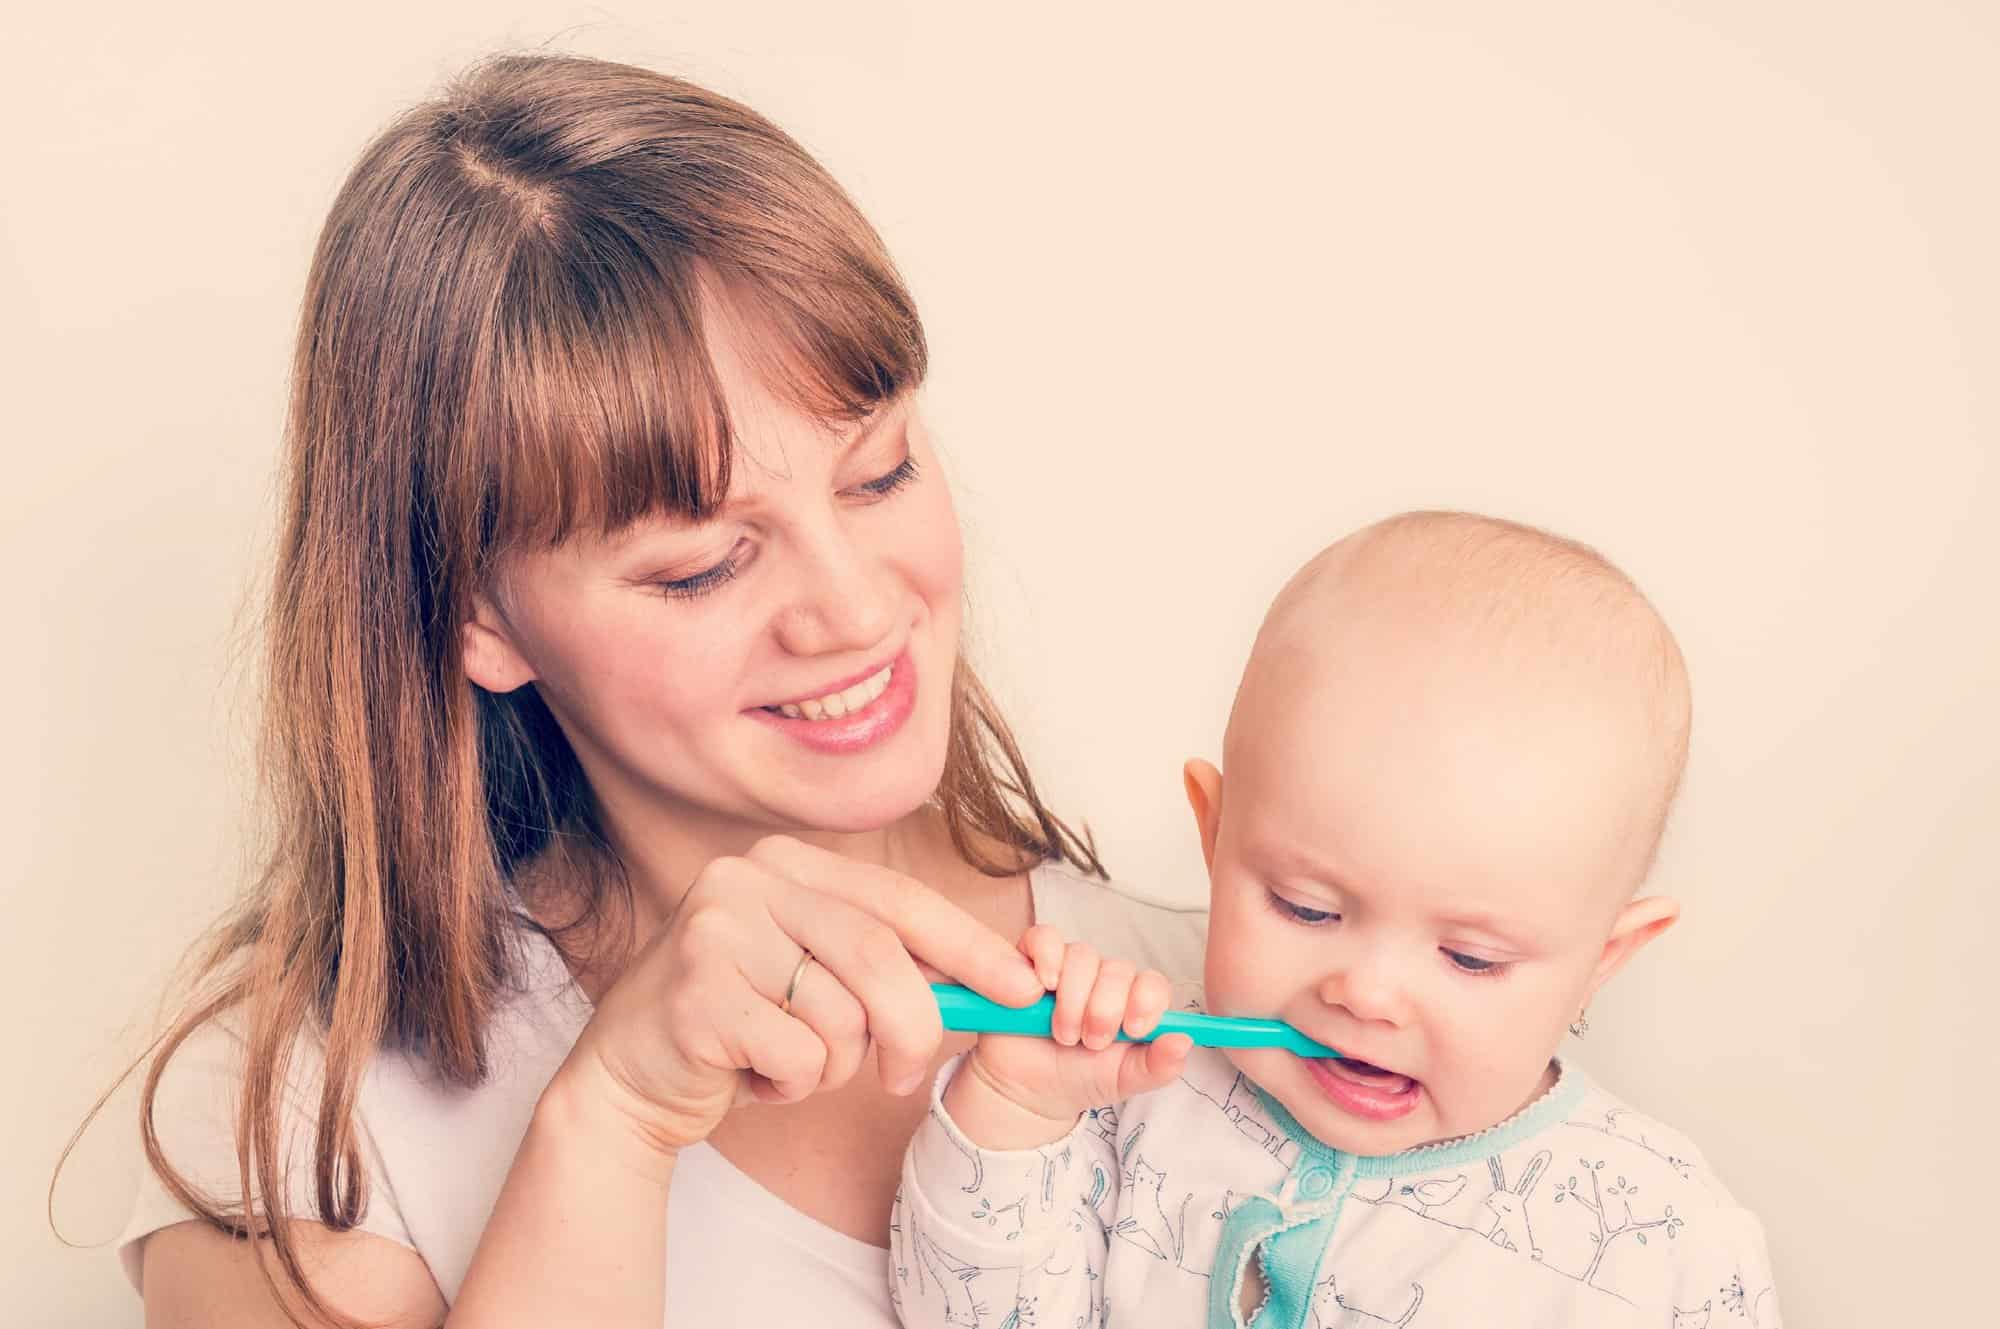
(1008,1190)
(1726,1270)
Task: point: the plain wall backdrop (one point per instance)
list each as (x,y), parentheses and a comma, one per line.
(1712,286)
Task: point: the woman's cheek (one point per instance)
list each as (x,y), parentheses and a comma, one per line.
(940,561)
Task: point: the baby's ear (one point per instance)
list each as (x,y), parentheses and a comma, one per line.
(1204,795)
(1637,923)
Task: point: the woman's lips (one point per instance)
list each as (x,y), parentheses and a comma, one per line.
(857,730)
(843,685)
(1365,1090)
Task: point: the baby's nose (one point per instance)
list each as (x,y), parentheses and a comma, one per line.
(1365,990)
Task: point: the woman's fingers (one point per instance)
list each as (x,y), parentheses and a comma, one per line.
(866,958)
(756,1036)
(933,929)
(824,1005)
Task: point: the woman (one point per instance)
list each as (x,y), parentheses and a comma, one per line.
(627,779)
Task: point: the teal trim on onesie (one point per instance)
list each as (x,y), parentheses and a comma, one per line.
(1548,1110)
(1289,1234)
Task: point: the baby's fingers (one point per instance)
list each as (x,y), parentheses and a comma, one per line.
(1043,946)
(1105,1010)
(1150,995)
(1149,1066)
(1074,987)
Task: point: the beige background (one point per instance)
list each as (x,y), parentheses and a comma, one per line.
(1711,285)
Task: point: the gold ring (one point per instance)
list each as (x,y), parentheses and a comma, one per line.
(793,986)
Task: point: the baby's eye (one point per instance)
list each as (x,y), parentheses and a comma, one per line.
(1298,913)
(1471,964)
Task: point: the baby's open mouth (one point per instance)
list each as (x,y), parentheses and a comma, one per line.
(1356,1071)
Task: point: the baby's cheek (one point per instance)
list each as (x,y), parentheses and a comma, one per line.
(1246,969)
(1244,982)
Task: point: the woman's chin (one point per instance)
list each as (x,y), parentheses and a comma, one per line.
(869,800)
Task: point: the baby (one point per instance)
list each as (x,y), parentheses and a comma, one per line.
(1448,767)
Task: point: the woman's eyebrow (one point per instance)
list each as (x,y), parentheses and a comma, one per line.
(854,438)
(847,442)
(876,422)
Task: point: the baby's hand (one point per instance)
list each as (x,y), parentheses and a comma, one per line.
(1016,1093)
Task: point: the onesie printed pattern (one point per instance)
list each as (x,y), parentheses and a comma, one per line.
(1577,1211)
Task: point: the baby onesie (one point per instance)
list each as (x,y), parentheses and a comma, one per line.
(1576,1211)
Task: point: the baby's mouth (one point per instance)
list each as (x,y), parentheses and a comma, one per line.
(1356,1071)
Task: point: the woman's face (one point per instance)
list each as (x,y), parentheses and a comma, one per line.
(784,665)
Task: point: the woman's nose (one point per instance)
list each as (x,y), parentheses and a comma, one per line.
(844,599)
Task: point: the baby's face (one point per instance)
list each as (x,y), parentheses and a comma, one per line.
(1417,865)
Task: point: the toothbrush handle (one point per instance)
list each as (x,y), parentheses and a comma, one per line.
(1228,1031)
(969,1012)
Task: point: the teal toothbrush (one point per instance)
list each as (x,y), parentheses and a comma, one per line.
(967,1011)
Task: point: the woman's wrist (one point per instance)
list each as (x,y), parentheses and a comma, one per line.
(580,1116)
(576,1233)
(994,1115)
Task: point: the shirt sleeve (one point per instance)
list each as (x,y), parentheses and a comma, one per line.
(194,1117)
(1727,1273)
(988,1232)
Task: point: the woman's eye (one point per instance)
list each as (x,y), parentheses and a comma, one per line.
(883,486)
(1299,913)
(687,588)
(1472,964)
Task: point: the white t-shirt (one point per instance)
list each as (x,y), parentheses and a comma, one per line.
(436,1156)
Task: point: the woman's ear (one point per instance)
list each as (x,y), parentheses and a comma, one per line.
(1637,923)
(486,646)
(1204,795)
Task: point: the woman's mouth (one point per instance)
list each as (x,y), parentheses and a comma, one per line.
(837,705)
(853,717)
(1364,1089)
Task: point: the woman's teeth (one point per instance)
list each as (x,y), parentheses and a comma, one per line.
(836,704)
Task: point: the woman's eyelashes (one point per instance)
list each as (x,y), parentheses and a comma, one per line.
(701,583)
(883,486)
(687,588)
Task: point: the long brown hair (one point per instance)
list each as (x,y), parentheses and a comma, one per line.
(501,345)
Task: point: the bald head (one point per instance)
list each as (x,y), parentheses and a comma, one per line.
(1501,617)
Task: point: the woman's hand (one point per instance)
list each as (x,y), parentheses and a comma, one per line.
(1018,1093)
(699,1023)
